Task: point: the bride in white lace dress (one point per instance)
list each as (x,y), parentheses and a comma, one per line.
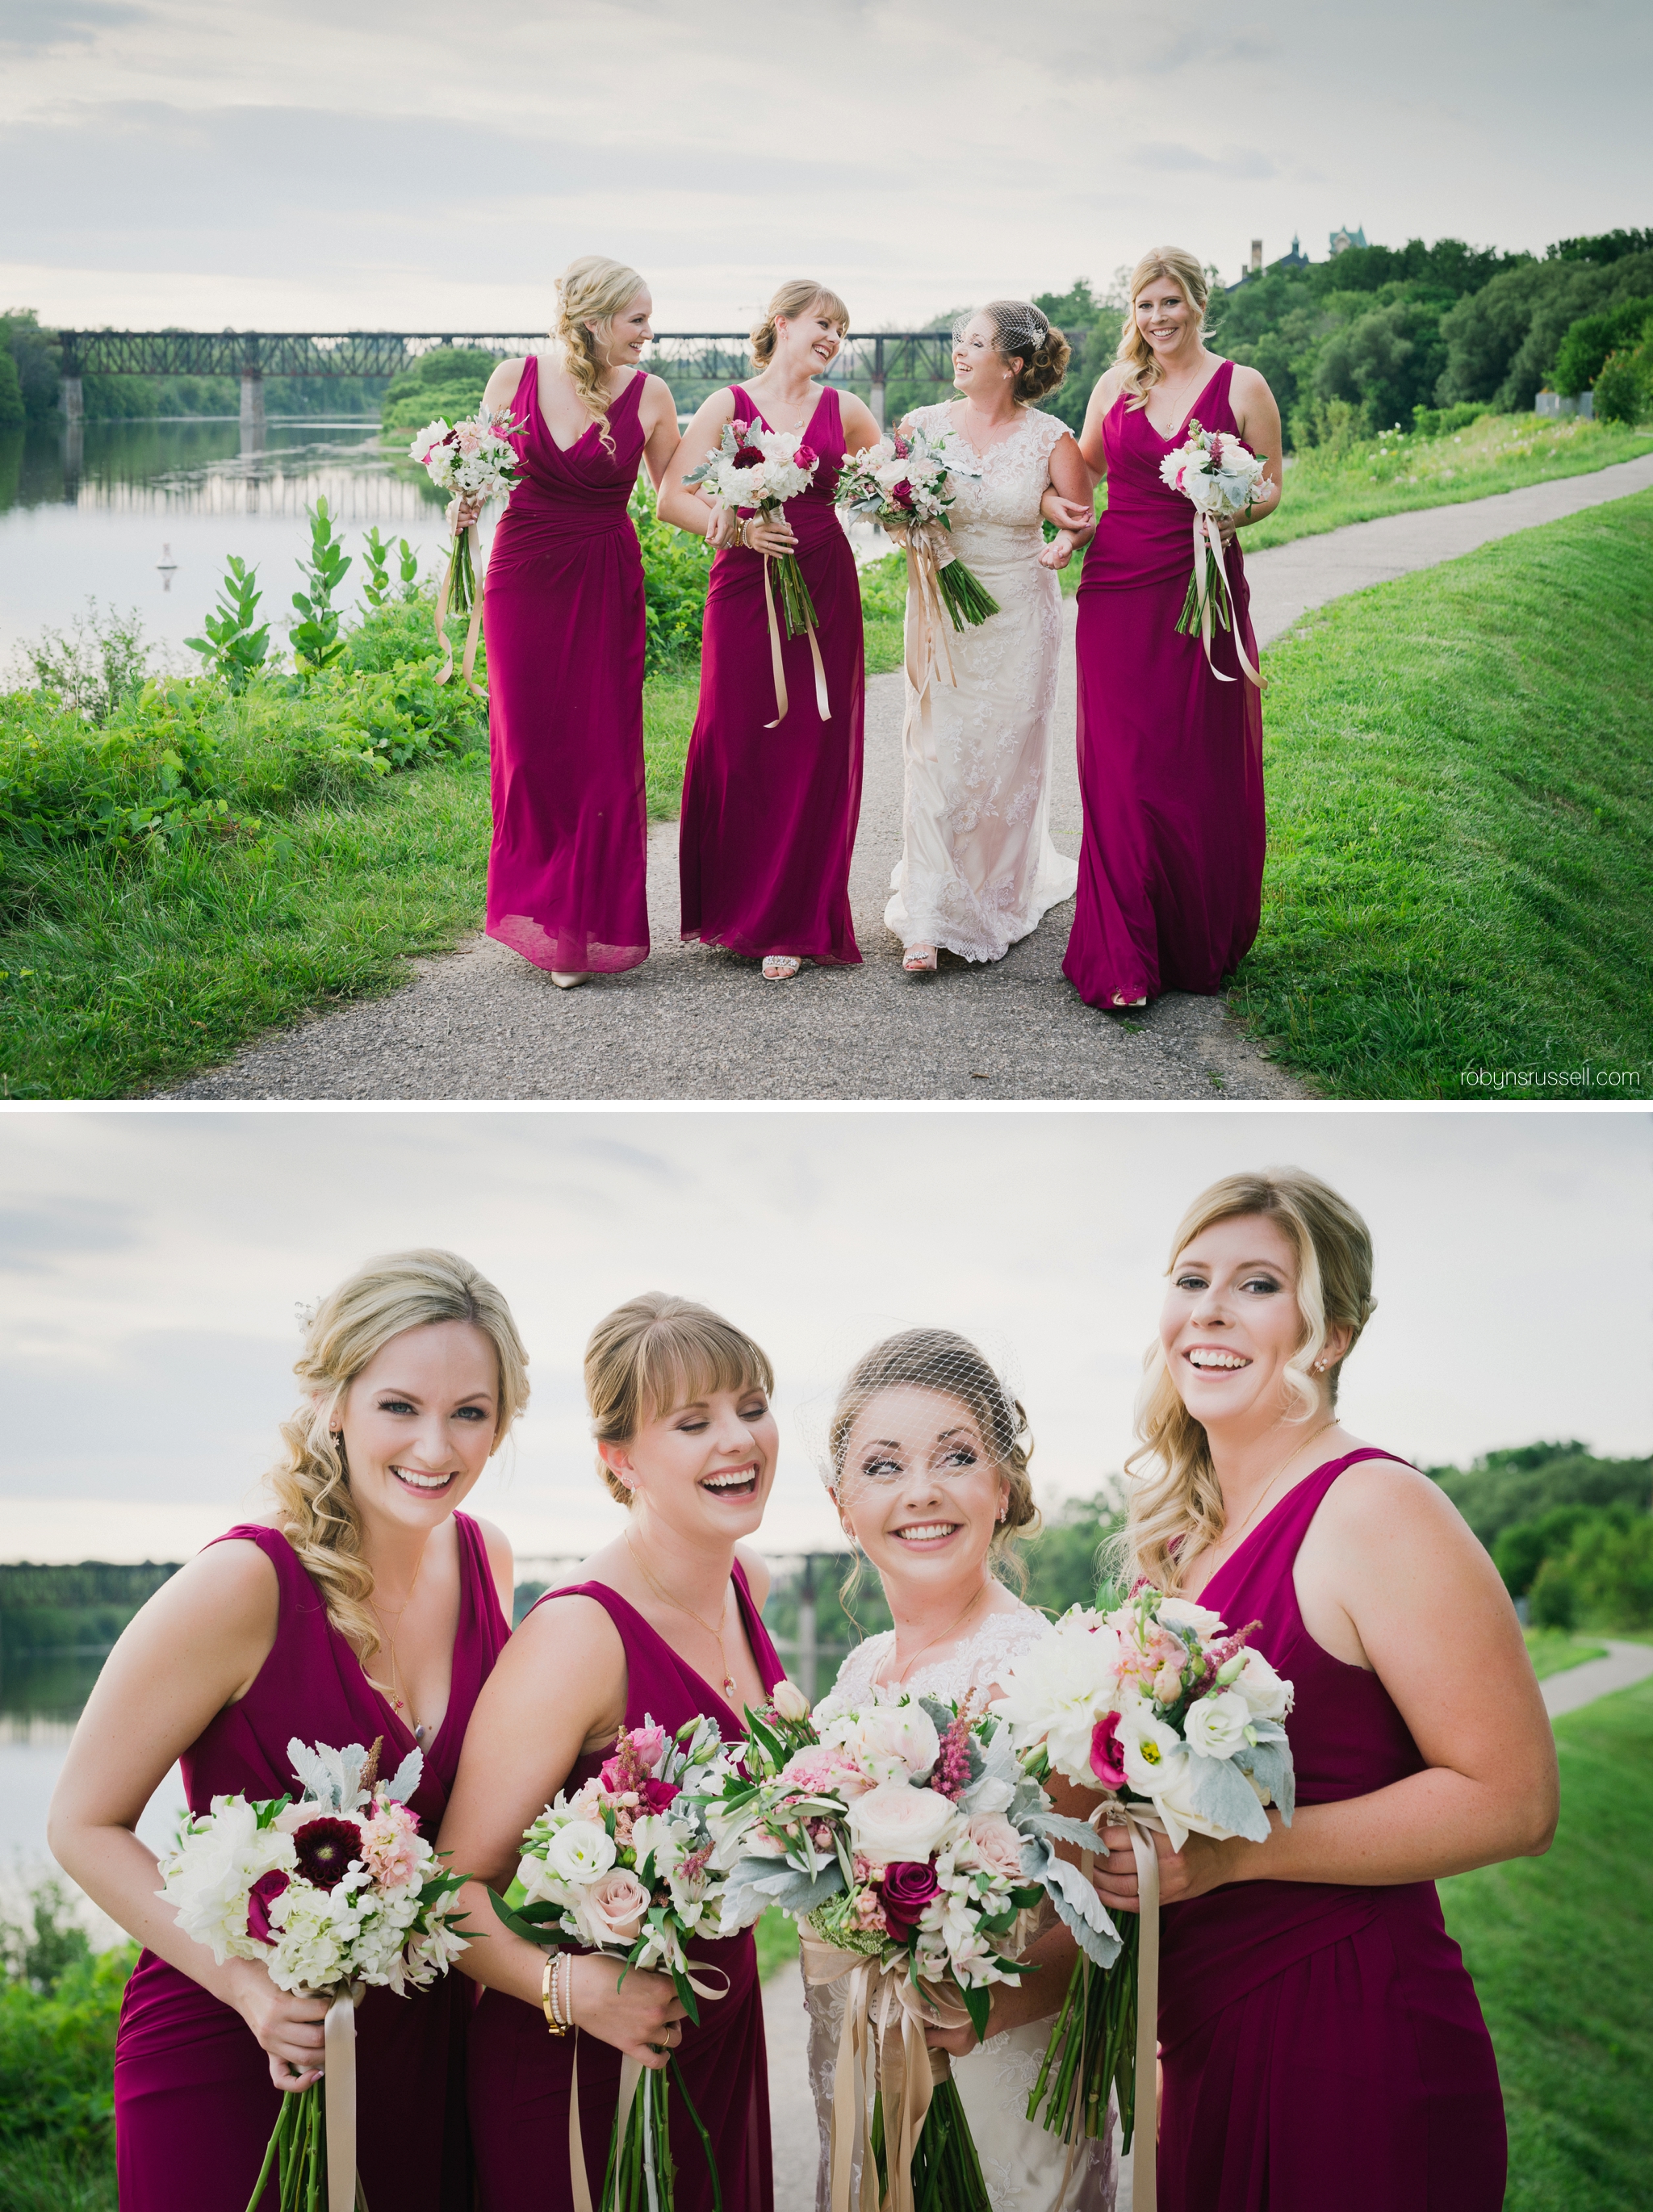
(977,868)
(928,1455)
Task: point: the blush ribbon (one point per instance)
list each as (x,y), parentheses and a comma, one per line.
(631,2073)
(1211,587)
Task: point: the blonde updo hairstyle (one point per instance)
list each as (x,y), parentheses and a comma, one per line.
(801,296)
(1177,1501)
(592,290)
(938,1359)
(1025,333)
(348,1327)
(655,1352)
(1134,354)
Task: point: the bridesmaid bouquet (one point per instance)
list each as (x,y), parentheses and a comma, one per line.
(1219,475)
(334,1893)
(629,1866)
(755,472)
(913,1849)
(907,488)
(468,460)
(1180,1724)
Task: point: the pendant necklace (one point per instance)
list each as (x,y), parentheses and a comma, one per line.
(1275,1478)
(731,1688)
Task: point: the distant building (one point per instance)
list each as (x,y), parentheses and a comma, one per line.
(1341,240)
(1294,259)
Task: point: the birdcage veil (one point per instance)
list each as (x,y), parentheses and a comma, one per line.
(1022,327)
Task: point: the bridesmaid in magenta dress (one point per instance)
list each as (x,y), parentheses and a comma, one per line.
(664,1625)
(412,1369)
(564,617)
(1170,759)
(769,814)
(1321,2041)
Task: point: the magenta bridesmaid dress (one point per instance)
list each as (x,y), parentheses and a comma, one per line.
(520,2073)
(194,2103)
(563,616)
(769,815)
(1170,760)
(1321,2044)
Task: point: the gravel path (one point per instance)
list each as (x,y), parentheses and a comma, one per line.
(480,1022)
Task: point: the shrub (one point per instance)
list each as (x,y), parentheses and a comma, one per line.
(1589,341)
(1530,1480)
(59,2009)
(90,668)
(1624,388)
(448,382)
(677,570)
(1554,1602)
(1442,422)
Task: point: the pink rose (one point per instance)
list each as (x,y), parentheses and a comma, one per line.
(655,1797)
(259,1898)
(1107,1753)
(649,1744)
(997,1844)
(613,1907)
(805,457)
(902,493)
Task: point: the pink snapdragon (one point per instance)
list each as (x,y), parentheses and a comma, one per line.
(389,1840)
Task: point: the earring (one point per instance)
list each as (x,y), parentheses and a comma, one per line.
(1003,1511)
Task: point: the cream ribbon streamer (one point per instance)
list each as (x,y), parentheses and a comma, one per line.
(1208,538)
(820,706)
(338,2058)
(631,2074)
(928,659)
(470,661)
(881,2047)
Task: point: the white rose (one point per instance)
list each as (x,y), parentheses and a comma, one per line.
(1267,1694)
(890,1742)
(1059,1688)
(653,1832)
(1216,1726)
(1155,1755)
(1182,1612)
(789,1701)
(897,1821)
(581,1852)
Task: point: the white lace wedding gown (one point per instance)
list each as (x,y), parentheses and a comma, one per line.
(1021,2161)
(977,868)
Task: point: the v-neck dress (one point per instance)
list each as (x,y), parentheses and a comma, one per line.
(194,2103)
(520,2075)
(1321,2043)
(770,815)
(1170,760)
(563,616)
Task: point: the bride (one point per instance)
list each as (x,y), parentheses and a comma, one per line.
(928,1467)
(977,869)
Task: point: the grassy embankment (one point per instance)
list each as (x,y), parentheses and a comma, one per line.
(1460,774)
(1552,1650)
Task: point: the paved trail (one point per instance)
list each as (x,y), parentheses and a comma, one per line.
(1582,1685)
(691,1023)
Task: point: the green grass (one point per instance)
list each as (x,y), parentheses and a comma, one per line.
(1561,1949)
(1552,1650)
(1459,779)
(777,1942)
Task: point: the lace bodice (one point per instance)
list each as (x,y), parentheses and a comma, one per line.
(997,1644)
(1014,477)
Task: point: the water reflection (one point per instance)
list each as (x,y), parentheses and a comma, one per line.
(40,1701)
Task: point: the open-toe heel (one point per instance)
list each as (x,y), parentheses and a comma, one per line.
(780,968)
(920,960)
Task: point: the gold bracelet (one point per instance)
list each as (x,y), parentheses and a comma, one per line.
(548,2002)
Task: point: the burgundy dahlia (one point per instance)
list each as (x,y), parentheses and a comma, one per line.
(326,1848)
(749,457)
(259,1898)
(907,1887)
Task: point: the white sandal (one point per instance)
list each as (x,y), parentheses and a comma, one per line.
(569,980)
(1118,1001)
(780,968)
(920,960)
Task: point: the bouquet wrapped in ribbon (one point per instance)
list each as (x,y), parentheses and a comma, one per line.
(914,1852)
(627,1865)
(1219,475)
(907,485)
(1180,1724)
(470,461)
(755,471)
(334,1893)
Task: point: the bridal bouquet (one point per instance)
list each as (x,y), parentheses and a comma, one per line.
(334,1894)
(469,461)
(1220,475)
(914,1850)
(907,487)
(1180,1724)
(627,1865)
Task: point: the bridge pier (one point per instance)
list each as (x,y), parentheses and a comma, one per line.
(875,400)
(70,397)
(252,415)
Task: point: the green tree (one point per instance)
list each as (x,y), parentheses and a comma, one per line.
(1502,341)
(12,409)
(1507,1486)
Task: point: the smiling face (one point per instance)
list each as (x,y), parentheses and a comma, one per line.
(419,1422)
(1231,1323)
(703,1467)
(808,344)
(623,339)
(980,370)
(920,1492)
(1165,318)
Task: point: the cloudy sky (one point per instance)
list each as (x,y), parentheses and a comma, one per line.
(150,1264)
(298,164)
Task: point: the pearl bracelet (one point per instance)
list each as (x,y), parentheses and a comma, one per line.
(555,2018)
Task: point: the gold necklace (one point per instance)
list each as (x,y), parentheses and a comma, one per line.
(731,1688)
(398,1703)
(952,1629)
(1273,1479)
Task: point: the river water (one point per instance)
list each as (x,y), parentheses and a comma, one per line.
(145,516)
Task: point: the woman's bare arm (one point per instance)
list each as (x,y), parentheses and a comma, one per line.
(658,412)
(196,1647)
(1259,419)
(686,509)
